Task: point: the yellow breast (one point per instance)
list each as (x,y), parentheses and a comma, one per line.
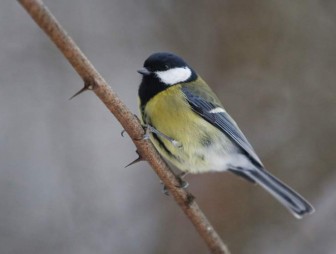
(170,113)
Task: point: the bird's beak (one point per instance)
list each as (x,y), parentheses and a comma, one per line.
(144,72)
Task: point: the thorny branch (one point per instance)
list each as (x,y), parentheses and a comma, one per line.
(95,82)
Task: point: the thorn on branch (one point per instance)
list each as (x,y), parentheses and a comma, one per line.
(89,84)
(136,160)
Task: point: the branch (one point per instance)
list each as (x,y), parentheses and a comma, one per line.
(95,82)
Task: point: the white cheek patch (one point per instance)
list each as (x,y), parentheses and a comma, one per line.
(174,76)
(217,110)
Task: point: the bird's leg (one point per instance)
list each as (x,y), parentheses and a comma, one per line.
(182,184)
(151,129)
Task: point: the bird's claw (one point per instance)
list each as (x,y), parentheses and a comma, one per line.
(182,183)
(165,189)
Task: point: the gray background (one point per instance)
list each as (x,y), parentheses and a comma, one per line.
(63,185)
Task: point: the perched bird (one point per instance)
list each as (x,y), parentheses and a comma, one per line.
(191,129)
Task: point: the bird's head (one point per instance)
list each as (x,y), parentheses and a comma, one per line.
(167,69)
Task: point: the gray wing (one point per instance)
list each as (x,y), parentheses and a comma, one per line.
(223,122)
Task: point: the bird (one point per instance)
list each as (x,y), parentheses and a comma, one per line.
(189,127)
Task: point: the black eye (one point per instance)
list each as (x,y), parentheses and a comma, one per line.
(166,67)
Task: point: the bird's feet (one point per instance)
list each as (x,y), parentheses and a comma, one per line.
(182,183)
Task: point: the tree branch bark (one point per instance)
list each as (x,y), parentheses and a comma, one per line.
(95,82)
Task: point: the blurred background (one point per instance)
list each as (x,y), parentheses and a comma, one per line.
(63,185)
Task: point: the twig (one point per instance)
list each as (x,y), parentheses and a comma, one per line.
(95,82)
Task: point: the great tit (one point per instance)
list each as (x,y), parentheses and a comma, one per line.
(190,128)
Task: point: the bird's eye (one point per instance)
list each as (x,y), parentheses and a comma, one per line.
(166,67)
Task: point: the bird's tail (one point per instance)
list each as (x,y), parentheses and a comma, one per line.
(296,204)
